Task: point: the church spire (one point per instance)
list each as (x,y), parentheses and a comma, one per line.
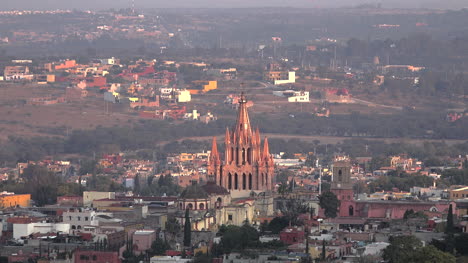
(227,139)
(243,129)
(266,150)
(214,156)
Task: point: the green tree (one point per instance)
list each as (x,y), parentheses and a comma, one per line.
(330,203)
(238,238)
(402,249)
(461,244)
(136,184)
(449,228)
(430,254)
(324,251)
(277,224)
(187,229)
(159,247)
(282,189)
(172,226)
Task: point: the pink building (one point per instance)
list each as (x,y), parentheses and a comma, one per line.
(292,235)
(142,240)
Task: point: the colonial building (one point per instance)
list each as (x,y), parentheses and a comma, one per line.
(246,167)
(342,187)
(239,189)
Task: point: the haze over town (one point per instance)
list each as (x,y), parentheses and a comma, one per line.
(102,4)
(233,131)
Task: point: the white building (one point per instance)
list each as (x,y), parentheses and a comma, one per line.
(79,218)
(90,196)
(375,248)
(24,230)
(183,96)
(293,96)
(291,79)
(169,259)
(299,96)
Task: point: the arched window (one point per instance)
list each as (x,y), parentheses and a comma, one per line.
(351,210)
(232,154)
(266,180)
(79,227)
(250,181)
(249,155)
(243,155)
(73,227)
(219,201)
(237,155)
(340,176)
(221,177)
(236,181)
(244,182)
(201,206)
(190,206)
(229,181)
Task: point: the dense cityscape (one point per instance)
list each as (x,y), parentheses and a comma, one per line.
(234,135)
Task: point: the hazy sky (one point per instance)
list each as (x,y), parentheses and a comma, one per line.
(104,4)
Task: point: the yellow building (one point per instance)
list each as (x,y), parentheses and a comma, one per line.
(459,193)
(184,157)
(11,200)
(206,85)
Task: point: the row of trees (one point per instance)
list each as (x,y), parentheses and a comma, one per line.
(154,135)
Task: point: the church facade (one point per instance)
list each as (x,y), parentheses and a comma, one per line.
(239,188)
(248,165)
(342,187)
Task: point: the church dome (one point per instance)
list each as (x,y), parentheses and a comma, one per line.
(213,189)
(194,192)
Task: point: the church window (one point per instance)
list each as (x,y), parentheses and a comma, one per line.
(340,176)
(232,154)
(250,181)
(221,178)
(237,155)
(236,181)
(266,179)
(243,155)
(249,155)
(351,210)
(190,206)
(244,182)
(229,181)
(201,206)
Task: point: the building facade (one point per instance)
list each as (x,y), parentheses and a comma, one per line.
(246,167)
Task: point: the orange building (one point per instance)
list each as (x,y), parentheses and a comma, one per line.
(11,200)
(66,65)
(202,86)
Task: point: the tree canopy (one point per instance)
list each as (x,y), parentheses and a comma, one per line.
(330,203)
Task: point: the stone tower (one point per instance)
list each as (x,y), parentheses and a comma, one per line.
(247,166)
(342,187)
